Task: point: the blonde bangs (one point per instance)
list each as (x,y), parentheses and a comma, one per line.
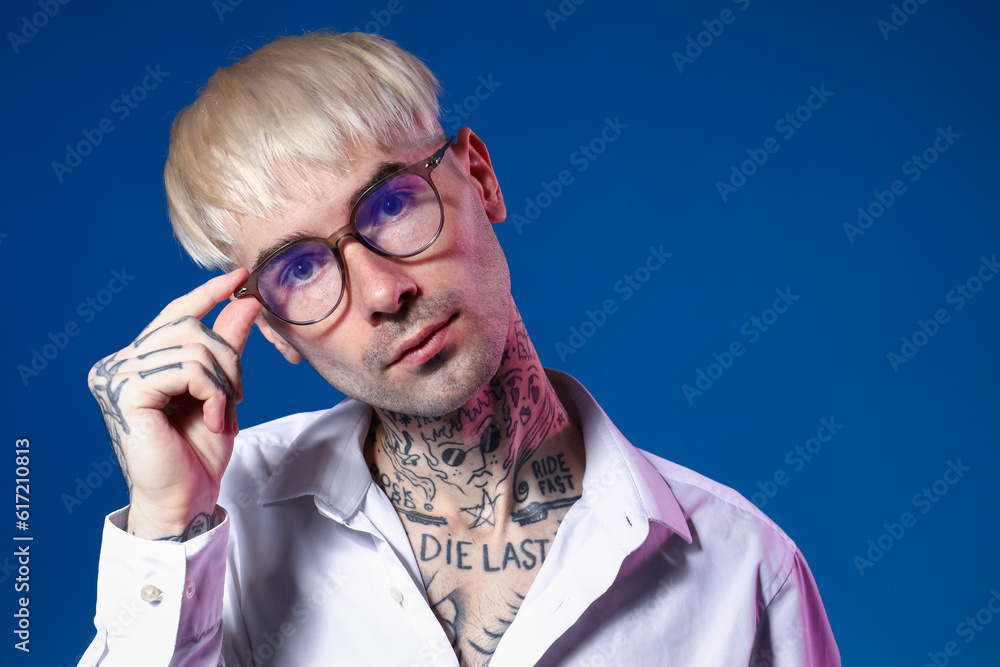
(264,128)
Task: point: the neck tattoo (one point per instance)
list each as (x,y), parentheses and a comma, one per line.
(470,466)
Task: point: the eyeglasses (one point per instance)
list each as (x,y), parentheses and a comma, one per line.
(398,216)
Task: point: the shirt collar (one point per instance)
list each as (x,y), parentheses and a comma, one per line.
(619,483)
(325,460)
(624,489)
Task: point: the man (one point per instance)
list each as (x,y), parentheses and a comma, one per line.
(464,506)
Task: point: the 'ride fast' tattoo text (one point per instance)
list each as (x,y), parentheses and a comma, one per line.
(481,494)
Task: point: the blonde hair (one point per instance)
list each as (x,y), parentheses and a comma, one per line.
(263,129)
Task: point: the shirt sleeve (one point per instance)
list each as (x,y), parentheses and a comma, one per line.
(159,603)
(793,630)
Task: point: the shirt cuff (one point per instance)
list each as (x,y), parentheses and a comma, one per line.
(153,596)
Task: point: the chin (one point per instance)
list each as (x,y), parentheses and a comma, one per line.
(445,383)
(453,384)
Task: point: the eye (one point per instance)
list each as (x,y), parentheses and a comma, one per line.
(393,204)
(299,272)
(387,205)
(299,283)
(300,265)
(400,216)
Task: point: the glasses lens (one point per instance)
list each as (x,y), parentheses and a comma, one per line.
(303,283)
(401,217)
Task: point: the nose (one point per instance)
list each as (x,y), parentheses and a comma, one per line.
(381,287)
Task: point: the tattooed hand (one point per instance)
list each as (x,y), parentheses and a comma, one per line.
(169,401)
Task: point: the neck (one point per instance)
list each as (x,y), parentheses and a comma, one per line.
(487,463)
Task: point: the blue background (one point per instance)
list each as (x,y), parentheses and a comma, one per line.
(557,81)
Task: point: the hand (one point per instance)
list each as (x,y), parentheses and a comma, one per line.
(169,401)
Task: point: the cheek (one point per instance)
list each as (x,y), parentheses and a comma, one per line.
(341,368)
(329,346)
(474,244)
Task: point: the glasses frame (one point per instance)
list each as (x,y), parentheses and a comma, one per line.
(422,168)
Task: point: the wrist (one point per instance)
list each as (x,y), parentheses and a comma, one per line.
(172,527)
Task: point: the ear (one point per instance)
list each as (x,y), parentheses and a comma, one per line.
(473,162)
(287,351)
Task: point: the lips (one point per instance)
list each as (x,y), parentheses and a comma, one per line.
(423,345)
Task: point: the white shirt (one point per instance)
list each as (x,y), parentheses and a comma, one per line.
(654,565)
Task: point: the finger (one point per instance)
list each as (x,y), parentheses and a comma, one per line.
(233,325)
(199,301)
(220,359)
(235,322)
(153,388)
(232,424)
(189,338)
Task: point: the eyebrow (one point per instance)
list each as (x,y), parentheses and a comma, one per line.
(383,169)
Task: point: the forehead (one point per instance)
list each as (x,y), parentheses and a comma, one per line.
(323,202)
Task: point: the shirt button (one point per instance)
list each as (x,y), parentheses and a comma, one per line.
(150,593)
(189,589)
(397,595)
